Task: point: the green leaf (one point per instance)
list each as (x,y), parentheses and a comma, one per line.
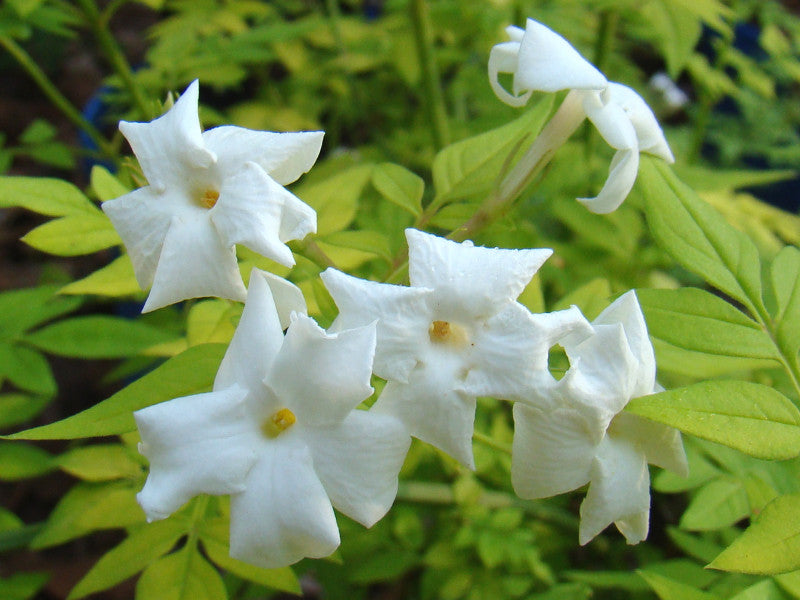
(19,408)
(22,586)
(763,590)
(282,579)
(89,507)
(336,198)
(697,236)
(695,546)
(22,461)
(400,186)
(22,309)
(74,235)
(383,567)
(102,462)
(785,278)
(676,32)
(771,544)
(472,166)
(183,575)
(374,243)
(51,197)
(142,546)
(717,504)
(591,298)
(669,589)
(190,372)
(97,337)
(696,320)
(701,365)
(705,179)
(27,369)
(114,280)
(749,417)
(105,185)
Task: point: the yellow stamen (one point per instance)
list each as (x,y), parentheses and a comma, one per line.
(209,198)
(278,423)
(444,332)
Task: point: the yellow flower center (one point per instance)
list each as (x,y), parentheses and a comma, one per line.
(278,423)
(451,334)
(209,198)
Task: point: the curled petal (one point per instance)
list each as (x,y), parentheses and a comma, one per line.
(627,311)
(553,450)
(549,63)
(141,219)
(256,341)
(621,177)
(648,132)
(322,377)
(284,514)
(195,444)
(284,156)
(619,493)
(432,410)
(602,372)
(248,212)
(358,461)
(469,279)
(298,219)
(503,58)
(172,145)
(194,262)
(402,314)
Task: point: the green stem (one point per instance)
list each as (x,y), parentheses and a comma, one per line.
(115,56)
(431,83)
(700,128)
(491,442)
(56,97)
(789,364)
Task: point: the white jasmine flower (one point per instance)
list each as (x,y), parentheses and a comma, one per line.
(542,60)
(456,333)
(207,192)
(280,434)
(575,432)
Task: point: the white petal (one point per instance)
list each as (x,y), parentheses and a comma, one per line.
(284,156)
(433,410)
(619,492)
(648,131)
(288,297)
(549,63)
(602,371)
(402,313)
(170,147)
(626,311)
(621,177)
(475,280)
(194,262)
(553,450)
(611,121)
(256,341)
(298,219)
(284,514)
(661,445)
(141,219)
(322,377)
(503,59)
(248,212)
(358,461)
(195,444)
(514,33)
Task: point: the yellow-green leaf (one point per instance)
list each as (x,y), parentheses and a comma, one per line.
(74,235)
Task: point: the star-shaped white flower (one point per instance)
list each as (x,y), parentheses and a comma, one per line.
(207,192)
(575,432)
(542,60)
(456,333)
(280,434)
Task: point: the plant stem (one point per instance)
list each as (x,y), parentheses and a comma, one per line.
(431,83)
(56,97)
(490,442)
(115,56)
(789,364)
